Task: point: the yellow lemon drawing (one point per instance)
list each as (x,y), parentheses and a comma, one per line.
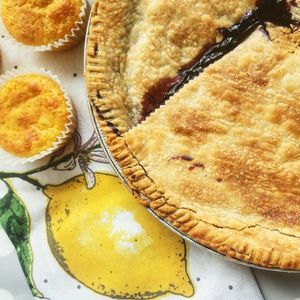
(111,244)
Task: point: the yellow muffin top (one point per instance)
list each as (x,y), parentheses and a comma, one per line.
(33,113)
(40,22)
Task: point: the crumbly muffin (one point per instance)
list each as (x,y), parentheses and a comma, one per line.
(41,22)
(33,114)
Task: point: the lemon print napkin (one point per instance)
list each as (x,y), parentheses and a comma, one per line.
(79,234)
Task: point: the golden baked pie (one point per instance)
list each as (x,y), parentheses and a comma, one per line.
(199,105)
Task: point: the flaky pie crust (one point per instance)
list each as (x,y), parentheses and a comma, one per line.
(269,241)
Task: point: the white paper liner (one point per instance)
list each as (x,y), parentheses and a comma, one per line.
(65,135)
(70,40)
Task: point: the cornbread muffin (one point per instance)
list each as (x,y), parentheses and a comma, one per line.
(33,113)
(41,22)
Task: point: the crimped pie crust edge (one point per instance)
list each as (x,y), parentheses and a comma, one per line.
(248,244)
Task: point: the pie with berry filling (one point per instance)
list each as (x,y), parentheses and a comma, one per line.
(199,105)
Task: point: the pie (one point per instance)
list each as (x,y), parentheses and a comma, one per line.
(198,103)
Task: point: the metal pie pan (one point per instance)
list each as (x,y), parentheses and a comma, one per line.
(117,169)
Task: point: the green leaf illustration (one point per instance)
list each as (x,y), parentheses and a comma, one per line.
(15,221)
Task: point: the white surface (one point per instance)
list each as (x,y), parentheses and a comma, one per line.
(12,279)
(5,248)
(278,286)
(4,294)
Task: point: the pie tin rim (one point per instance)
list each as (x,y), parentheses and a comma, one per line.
(117,169)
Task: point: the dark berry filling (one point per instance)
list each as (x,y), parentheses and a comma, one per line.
(182,157)
(275,11)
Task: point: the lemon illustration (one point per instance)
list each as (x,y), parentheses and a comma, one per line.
(107,241)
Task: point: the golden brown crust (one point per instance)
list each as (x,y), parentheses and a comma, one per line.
(226,148)
(260,232)
(128,50)
(169,34)
(106,58)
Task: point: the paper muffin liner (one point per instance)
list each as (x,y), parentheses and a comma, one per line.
(73,38)
(64,136)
